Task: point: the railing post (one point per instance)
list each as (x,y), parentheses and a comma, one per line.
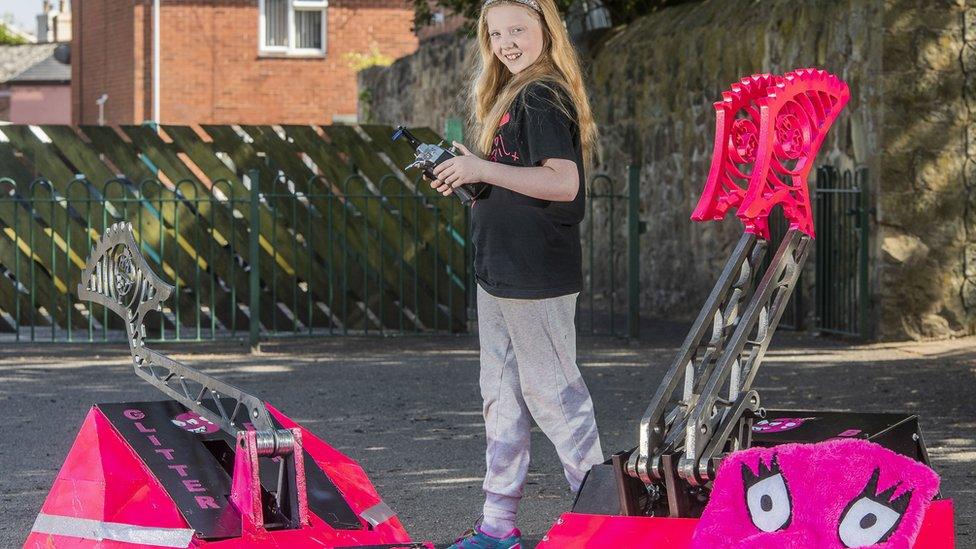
(864,295)
(633,250)
(254,250)
(453,130)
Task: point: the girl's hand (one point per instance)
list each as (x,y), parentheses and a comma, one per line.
(459,170)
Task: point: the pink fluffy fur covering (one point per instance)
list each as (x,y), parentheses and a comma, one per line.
(835,494)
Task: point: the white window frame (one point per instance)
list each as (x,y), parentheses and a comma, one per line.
(293,6)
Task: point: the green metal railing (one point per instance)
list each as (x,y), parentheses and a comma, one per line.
(840,264)
(305,261)
(794,313)
(843,224)
(610,301)
(305,258)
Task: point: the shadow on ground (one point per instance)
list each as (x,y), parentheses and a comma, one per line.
(409,410)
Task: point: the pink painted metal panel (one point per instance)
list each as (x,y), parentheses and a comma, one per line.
(579,531)
(100,459)
(245,492)
(347,475)
(103,480)
(938,527)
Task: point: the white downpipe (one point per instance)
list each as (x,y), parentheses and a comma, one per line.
(156,61)
(101,108)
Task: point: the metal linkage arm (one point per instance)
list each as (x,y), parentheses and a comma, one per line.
(202,393)
(709,430)
(768,131)
(117,276)
(661,428)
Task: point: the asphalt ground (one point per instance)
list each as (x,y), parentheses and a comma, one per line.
(408,409)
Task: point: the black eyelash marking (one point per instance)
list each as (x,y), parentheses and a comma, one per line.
(899,504)
(749,478)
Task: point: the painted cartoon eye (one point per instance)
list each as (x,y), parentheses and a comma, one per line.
(867,523)
(872,517)
(769,504)
(767,496)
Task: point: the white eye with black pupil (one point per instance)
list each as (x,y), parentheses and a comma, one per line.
(769,504)
(867,523)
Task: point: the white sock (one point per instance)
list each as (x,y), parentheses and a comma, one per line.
(498,519)
(497,528)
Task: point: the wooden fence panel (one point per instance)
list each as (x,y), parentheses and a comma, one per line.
(245,158)
(197,250)
(232,229)
(383,259)
(437,250)
(151,231)
(347,240)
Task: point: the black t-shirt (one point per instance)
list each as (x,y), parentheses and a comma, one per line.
(524,247)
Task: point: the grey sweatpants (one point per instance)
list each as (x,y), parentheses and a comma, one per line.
(529,371)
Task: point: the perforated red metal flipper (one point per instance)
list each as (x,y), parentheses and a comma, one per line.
(796,116)
(769,130)
(736,144)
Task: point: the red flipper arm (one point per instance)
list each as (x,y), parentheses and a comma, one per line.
(796,115)
(769,130)
(736,144)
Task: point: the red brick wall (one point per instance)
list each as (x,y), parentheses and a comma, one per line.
(102,60)
(212,71)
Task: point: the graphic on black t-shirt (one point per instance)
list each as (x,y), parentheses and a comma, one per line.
(498,150)
(524,247)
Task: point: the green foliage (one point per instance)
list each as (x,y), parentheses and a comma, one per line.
(365,97)
(621,11)
(8,38)
(363,60)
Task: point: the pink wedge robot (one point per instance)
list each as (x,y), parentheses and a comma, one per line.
(213,467)
(712,468)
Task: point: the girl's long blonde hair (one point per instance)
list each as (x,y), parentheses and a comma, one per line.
(494,88)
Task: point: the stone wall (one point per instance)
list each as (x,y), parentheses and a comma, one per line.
(910,66)
(927,204)
(423,89)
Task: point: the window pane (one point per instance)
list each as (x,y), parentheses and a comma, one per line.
(275,22)
(308,29)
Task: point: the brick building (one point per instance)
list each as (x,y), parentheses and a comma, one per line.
(35,86)
(229,61)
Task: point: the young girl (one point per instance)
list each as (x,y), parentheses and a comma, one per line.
(537,132)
